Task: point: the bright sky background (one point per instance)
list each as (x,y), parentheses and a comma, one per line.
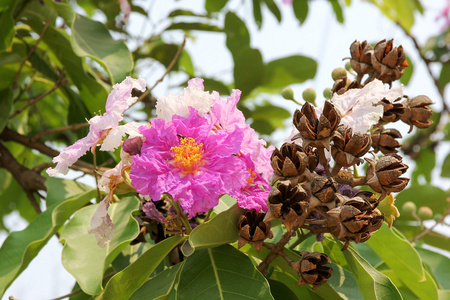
(321,37)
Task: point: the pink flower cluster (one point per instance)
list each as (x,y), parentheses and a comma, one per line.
(198,157)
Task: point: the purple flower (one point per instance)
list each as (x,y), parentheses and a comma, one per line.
(189,161)
(151,212)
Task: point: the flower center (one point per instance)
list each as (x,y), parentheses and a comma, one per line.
(188,156)
(251,179)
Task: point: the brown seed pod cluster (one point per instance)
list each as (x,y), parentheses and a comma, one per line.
(314,185)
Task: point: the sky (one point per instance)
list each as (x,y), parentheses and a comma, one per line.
(321,37)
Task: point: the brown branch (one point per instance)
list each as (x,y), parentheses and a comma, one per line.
(16,78)
(169,68)
(65,128)
(30,180)
(39,98)
(10,135)
(430,230)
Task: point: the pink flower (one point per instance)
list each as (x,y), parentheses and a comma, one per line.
(287,1)
(105,127)
(254,194)
(187,160)
(226,117)
(125,8)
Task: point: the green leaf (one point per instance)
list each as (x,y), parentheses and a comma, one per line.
(391,246)
(407,74)
(92,92)
(400,11)
(6,106)
(425,164)
(215,85)
(280,291)
(221,273)
(444,294)
(439,265)
(194,26)
(434,239)
(256,4)
(271,5)
(421,195)
(289,70)
(300,8)
(82,257)
(182,12)
(126,282)
(445,170)
(337,10)
(160,286)
(215,5)
(6,25)
(58,189)
(225,203)
(21,247)
(237,34)
(248,70)
(444,76)
(371,283)
(222,229)
(91,38)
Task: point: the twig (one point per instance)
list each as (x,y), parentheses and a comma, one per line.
(65,128)
(16,78)
(38,98)
(169,68)
(429,230)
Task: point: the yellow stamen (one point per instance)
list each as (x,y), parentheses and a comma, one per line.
(188,156)
(251,179)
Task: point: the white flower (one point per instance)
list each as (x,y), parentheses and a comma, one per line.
(359,107)
(194,96)
(101,224)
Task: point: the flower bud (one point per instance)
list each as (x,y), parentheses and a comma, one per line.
(252,229)
(425,213)
(327,93)
(132,146)
(339,73)
(311,269)
(384,140)
(287,93)
(348,66)
(409,208)
(309,95)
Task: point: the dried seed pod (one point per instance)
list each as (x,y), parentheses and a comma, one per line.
(252,229)
(383,174)
(388,61)
(384,140)
(311,269)
(392,111)
(324,188)
(361,60)
(287,202)
(417,113)
(342,85)
(315,131)
(290,162)
(348,147)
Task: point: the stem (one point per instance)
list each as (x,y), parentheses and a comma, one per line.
(429,230)
(300,239)
(208,214)
(323,160)
(95,174)
(183,217)
(65,128)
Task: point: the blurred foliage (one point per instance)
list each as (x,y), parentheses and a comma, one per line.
(47,45)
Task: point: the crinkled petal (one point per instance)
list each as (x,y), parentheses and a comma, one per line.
(116,134)
(101,224)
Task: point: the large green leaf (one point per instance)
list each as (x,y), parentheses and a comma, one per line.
(6,24)
(160,286)
(221,273)
(371,283)
(126,282)
(337,10)
(289,70)
(21,247)
(434,238)
(6,105)
(91,38)
(439,265)
(248,70)
(222,229)
(281,291)
(445,170)
(257,15)
(407,74)
(391,246)
(444,76)
(237,34)
(93,94)
(272,6)
(82,257)
(421,195)
(425,164)
(194,26)
(400,11)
